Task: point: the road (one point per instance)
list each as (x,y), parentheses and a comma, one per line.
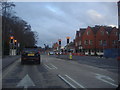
(57,73)
(110,64)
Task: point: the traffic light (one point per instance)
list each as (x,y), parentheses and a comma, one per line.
(59,42)
(11,39)
(67,39)
(15,41)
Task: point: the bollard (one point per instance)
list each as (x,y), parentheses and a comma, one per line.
(70,56)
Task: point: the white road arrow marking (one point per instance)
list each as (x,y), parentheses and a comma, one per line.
(105,79)
(26,82)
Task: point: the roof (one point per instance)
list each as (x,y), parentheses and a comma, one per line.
(108,29)
(82,30)
(95,29)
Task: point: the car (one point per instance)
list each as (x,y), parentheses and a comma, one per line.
(51,53)
(30,55)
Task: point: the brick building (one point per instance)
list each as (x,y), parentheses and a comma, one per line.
(93,40)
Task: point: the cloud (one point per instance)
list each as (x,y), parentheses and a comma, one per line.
(55,21)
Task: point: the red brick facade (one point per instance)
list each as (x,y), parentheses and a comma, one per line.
(93,40)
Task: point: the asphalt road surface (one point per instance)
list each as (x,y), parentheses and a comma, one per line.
(57,73)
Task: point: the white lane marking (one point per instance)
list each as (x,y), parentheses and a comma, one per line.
(48,67)
(26,82)
(66,81)
(103,77)
(75,81)
(54,66)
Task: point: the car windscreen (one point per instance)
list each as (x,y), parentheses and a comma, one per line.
(30,50)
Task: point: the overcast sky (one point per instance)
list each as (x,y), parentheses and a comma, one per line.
(57,20)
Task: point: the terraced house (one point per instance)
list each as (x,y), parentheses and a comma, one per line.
(94,40)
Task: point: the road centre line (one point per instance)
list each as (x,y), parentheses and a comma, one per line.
(66,81)
(75,81)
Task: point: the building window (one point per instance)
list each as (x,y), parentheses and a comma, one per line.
(76,44)
(116,33)
(104,43)
(79,34)
(114,42)
(90,42)
(86,42)
(79,42)
(88,32)
(107,32)
(100,42)
(102,32)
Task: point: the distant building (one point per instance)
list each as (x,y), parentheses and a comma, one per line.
(70,47)
(55,47)
(93,40)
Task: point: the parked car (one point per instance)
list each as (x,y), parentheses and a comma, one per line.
(30,55)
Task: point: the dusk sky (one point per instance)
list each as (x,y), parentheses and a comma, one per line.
(57,20)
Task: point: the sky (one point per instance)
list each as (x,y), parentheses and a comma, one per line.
(57,20)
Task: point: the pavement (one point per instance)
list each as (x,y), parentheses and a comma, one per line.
(58,73)
(7,60)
